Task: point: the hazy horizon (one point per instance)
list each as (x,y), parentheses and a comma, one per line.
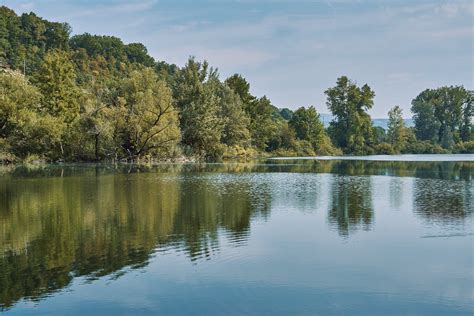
(292,51)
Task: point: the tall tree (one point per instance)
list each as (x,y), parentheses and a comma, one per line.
(197,95)
(308,126)
(56,81)
(147,122)
(236,120)
(396,129)
(443,115)
(351,128)
(466,128)
(16,94)
(23,128)
(240,86)
(263,123)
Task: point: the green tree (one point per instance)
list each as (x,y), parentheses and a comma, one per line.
(308,126)
(286,113)
(25,39)
(16,94)
(466,127)
(443,115)
(351,128)
(240,86)
(92,137)
(197,96)
(263,125)
(56,81)
(396,129)
(24,128)
(146,120)
(236,121)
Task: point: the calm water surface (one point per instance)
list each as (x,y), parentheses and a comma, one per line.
(277,237)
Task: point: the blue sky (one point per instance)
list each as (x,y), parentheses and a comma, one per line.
(292,50)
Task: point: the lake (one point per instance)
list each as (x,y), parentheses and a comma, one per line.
(294,236)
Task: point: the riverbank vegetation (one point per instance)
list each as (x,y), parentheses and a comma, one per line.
(93,98)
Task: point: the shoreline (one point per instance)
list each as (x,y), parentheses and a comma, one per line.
(191,160)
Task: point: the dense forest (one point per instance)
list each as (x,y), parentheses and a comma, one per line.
(94,98)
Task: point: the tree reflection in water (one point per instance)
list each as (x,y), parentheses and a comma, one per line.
(351,207)
(443,202)
(57,222)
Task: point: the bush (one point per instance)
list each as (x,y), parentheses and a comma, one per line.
(384,149)
(424,147)
(464,148)
(303,148)
(326,148)
(238,152)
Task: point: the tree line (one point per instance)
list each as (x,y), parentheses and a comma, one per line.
(91,98)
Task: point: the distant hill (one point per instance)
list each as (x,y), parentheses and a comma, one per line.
(381,122)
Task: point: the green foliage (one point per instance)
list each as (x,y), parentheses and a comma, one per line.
(308,127)
(146,121)
(56,81)
(263,125)
(240,86)
(16,94)
(112,49)
(197,97)
(25,39)
(384,149)
(464,147)
(236,120)
(396,133)
(443,115)
(307,124)
(24,128)
(286,114)
(351,128)
(92,97)
(380,136)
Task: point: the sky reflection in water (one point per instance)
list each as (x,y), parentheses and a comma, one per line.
(299,237)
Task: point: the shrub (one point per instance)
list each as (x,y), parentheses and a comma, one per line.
(384,149)
(464,148)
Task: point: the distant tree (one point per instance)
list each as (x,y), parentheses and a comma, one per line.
(396,129)
(443,114)
(240,86)
(286,113)
(308,126)
(137,53)
(25,39)
(466,128)
(351,128)
(380,135)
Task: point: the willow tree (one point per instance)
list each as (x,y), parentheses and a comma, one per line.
(146,121)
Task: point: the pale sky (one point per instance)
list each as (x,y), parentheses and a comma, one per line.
(292,50)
